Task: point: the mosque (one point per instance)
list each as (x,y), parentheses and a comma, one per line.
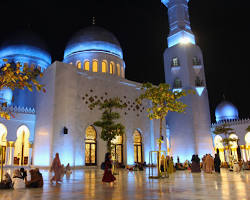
(93,68)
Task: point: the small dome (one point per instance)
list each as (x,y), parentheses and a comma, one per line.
(25,47)
(226,111)
(93,38)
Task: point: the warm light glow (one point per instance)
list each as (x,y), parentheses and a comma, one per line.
(78,65)
(95,66)
(3,133)
(247,138)
(118,70)
(122,70)
(111,68)
(104,66)
(86,65)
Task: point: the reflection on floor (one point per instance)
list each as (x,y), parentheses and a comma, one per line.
(86,184)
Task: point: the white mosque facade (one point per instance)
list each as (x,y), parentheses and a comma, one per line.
(93,68)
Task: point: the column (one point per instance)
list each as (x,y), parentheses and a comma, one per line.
(11,153)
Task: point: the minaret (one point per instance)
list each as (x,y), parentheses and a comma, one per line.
(183,63)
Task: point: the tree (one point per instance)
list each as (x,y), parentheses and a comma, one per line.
(15,76)
(163,100)
(248,129)
(225,130)
(110,129)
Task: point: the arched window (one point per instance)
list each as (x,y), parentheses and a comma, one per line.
(86,65)
(137,147)
(234,145)
(21,152)
(95,66)
(218,144)
(3,141)
(117,149)
(112,68)
(118,69)
(104,66)
(79,65)
(122,70)
(90,146)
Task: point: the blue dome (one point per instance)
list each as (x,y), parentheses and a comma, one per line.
(93,38)
(226,111)
(25,47)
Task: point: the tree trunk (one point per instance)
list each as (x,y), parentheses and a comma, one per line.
(160,134)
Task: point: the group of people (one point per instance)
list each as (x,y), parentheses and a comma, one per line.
(20,180)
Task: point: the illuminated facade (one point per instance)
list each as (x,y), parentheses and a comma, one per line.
(184,69)
(227,113)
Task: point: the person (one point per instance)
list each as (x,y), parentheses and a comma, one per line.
(217,163)
(23,174)
(17,180)
(195,166)
(68,170)
(108,176)
(209,164)
(7,182)
(36,180)
(56,168)
(178,159)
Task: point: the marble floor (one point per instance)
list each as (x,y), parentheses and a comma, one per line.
(182,185)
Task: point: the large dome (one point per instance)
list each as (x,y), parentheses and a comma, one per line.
(226,111)
(25,47)
(93,38)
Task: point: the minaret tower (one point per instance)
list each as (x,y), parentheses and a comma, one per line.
(183,63)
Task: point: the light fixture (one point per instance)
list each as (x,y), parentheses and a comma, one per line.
(184,40)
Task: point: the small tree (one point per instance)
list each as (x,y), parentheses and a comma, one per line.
(14,76)
(225,130)
(248,129)
(110,129)
(163,100)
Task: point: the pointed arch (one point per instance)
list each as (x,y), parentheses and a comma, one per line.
(86,65)
(104,66)
(112,67)
(90,146)
(118,69)
(95,65)
(21,151)
(137,146)
(3,141)
(78,64)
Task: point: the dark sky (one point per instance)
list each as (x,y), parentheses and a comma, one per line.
(221,29)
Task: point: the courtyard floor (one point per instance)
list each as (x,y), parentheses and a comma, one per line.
(86,184)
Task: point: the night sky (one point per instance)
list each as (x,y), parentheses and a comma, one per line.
(221,29)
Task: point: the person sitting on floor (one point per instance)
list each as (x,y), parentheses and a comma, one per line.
(17,180)
(23,174)
(68,170)
(7,182)
(36,179)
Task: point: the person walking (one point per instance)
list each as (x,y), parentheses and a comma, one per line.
(217,163)
(108,176)
(209,164)
(56,168)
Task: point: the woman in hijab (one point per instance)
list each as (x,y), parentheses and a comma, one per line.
(108,176)
(17,180)
(56,168)
(217,163)
(7,182)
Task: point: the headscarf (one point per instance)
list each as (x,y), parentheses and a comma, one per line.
(56,162)
(7,177)
(107,155)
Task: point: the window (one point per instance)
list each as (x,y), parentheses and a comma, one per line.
(95,66)
(122,70)
(177,83)
(90,146)
(137,147)
(117,149)
(198,82)
(175,62)
(118,70)
(86,65)
(196,61)
(112,68)
(79,65)
(104,66)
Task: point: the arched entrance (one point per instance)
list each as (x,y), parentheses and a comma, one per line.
(117,149)
(137,147)
(90,146)
(233,146)
(3,142)
(218,144)
(21,152)
(247,140)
